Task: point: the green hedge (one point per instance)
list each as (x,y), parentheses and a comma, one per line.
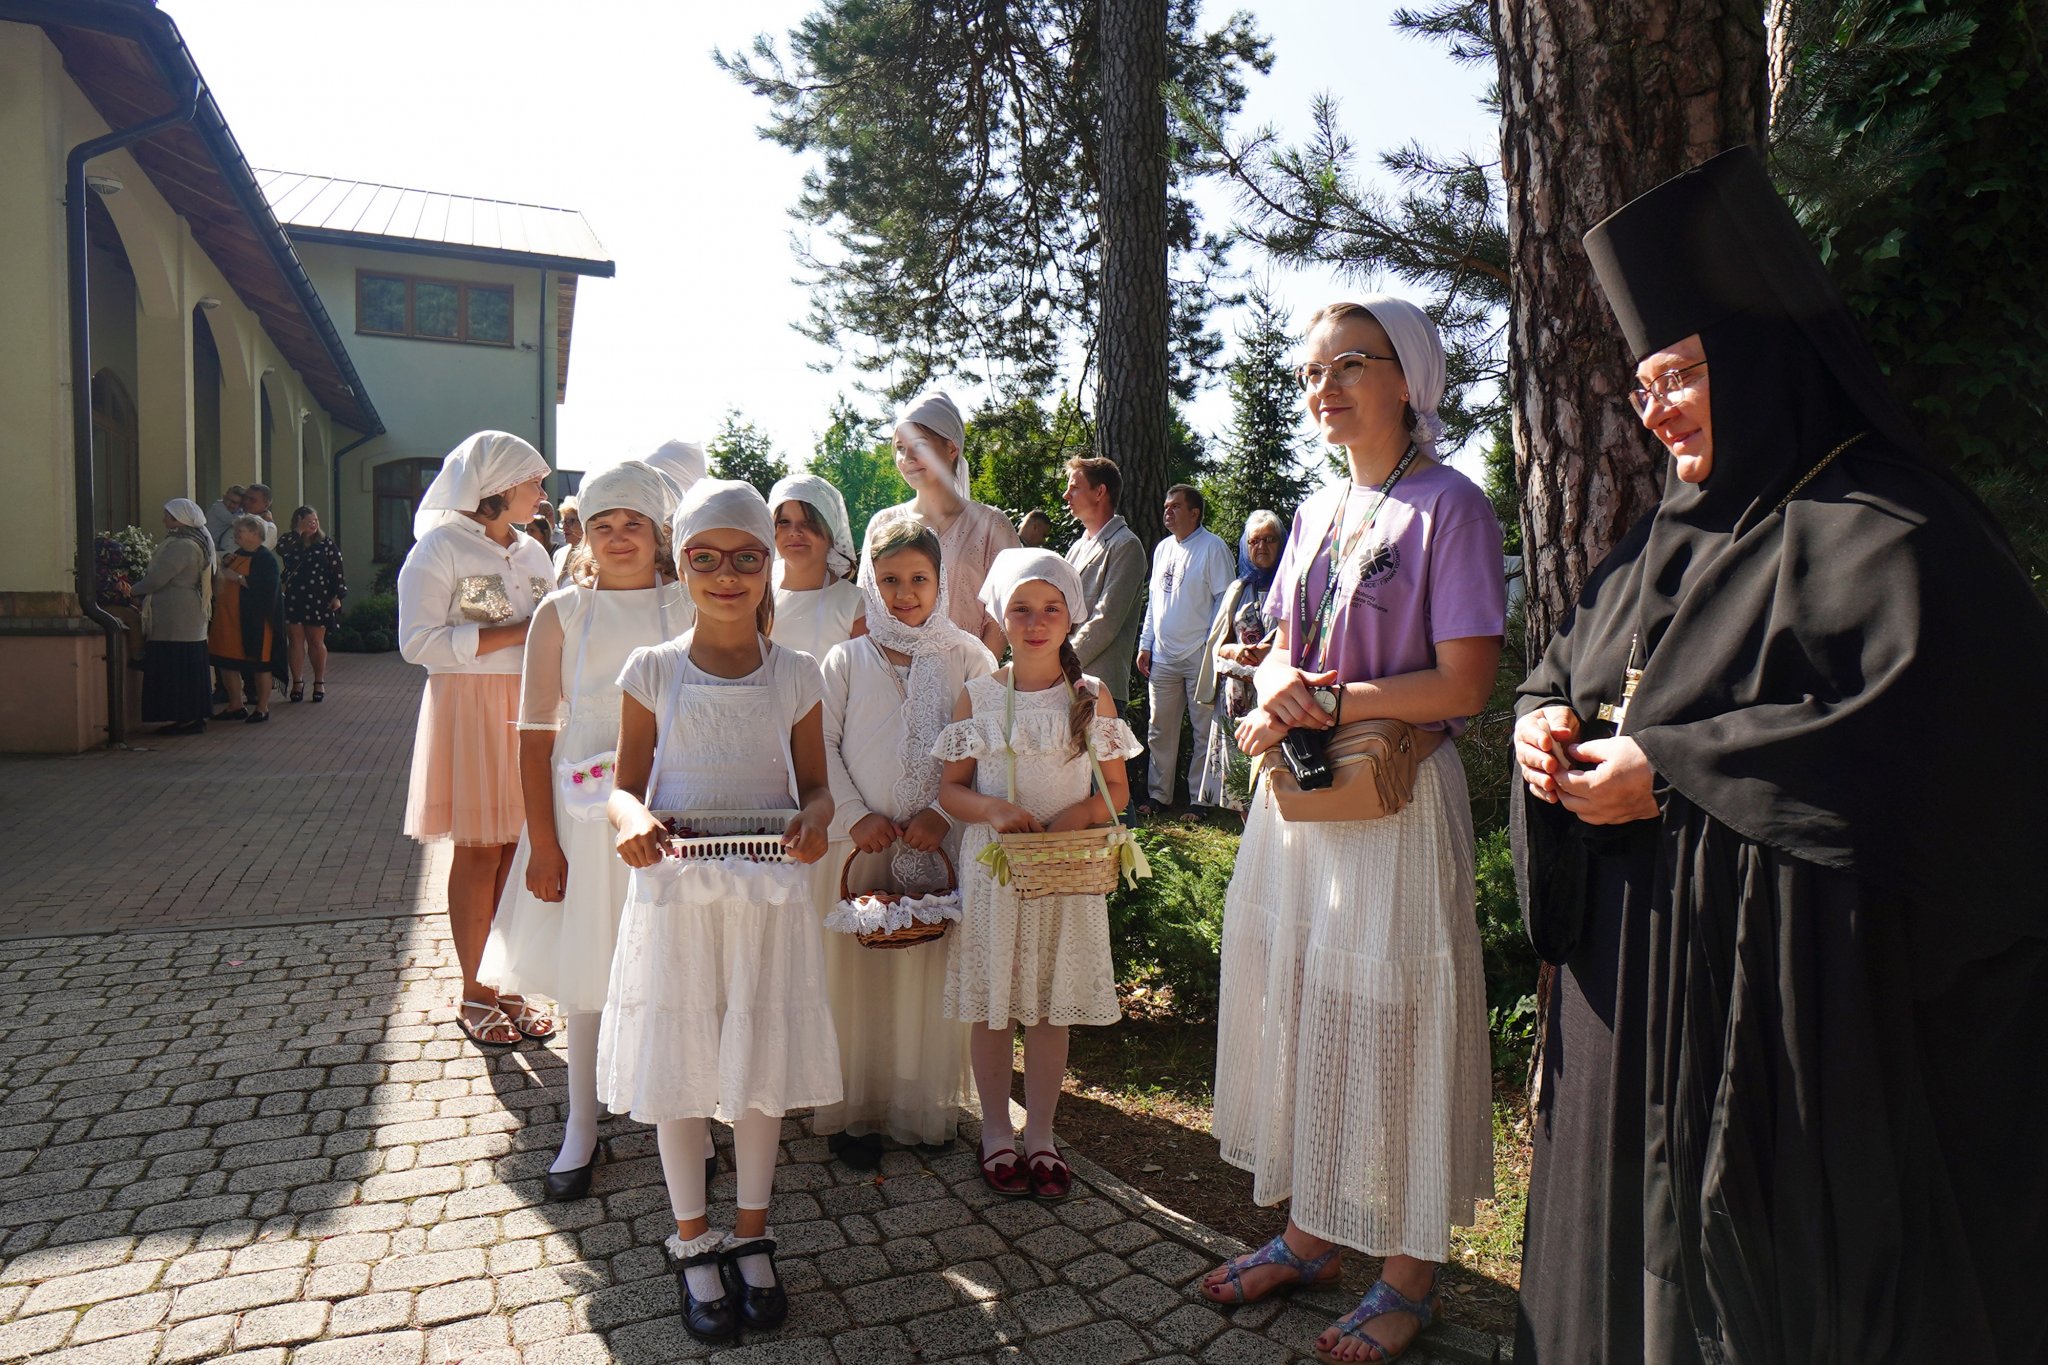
(368,627)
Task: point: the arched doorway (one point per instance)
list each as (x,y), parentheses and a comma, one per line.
(117,481)
(206,395)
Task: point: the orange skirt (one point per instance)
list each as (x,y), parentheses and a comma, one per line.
(465,761)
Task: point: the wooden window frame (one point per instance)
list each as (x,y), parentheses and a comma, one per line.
(462,288)
(422,471)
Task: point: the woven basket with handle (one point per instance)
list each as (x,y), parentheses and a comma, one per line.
(1081,862)
(910,935)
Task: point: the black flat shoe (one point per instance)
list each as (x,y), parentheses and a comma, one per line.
(862,1153)
(566,1187)
(710,1321)
(256,718)
(239,713)
(762,1310)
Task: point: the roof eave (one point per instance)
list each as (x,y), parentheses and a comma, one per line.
(413,246)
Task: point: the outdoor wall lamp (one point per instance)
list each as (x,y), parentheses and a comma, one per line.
(104,185)
(209,302)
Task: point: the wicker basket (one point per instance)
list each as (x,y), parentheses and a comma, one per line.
(717,834)
(1081,862)
(910,935)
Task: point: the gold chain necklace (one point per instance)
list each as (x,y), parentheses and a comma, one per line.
(1825,461)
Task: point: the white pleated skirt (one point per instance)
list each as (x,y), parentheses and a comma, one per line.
(717,998)
(1352,1069)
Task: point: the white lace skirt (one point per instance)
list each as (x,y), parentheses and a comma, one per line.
(904,1062)
(717,998)
(1352,1068)
(563,950)
(1011,960)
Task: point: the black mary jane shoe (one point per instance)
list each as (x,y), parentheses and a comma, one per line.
(566,1187)
(710,1321)
(761,1310)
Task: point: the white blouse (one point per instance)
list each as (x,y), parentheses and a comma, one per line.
(456,581)
(812,620)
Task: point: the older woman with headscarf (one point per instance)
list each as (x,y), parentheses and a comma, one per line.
(1237,645)
(931,454)
(1353,1075)
(466,593)
(1780,767)
(176,688)
(817,603)
(246,639)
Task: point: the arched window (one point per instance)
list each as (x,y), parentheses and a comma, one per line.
(116,487)
(206,384)
(400,484)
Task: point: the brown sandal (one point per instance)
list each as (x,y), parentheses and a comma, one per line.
(1008,1180)
(1051,1178)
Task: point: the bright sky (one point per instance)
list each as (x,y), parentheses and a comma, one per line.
(615,109)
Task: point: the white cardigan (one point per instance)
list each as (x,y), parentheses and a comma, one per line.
(433,629)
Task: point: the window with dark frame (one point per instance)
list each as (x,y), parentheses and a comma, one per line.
(399,487)
(433,310)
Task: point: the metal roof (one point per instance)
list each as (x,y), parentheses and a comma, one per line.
(317,207)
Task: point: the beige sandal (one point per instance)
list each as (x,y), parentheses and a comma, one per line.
(538,1025)
(493,1019)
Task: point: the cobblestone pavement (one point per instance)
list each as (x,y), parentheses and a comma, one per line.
(270,1145)
(294,821)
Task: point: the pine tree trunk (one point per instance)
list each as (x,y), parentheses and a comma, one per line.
(1601,100)
(1131,412)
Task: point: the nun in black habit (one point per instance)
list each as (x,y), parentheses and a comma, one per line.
(1780,833)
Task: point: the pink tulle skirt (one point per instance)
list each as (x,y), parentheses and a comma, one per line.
(465,761)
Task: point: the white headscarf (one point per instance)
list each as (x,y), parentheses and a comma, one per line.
(483,466)
(632,484)
(936,412)
(1015,567)
(682,461)
(816,492)
(188,513)
(722,505)
(928,704)
(1421,353)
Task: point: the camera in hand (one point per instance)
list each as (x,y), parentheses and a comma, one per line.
(1307,755)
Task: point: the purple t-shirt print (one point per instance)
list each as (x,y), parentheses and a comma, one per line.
(1428,570)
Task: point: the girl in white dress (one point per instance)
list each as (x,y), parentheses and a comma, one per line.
(466,592)
(716,1005)
(560,913)
(1043,963)
(888,696)
(817,603)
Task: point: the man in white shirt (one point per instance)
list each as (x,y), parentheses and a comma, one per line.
(256,502)
(225,509)
(1111,562)
(1190,570)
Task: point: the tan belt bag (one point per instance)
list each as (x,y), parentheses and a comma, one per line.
(1373,762)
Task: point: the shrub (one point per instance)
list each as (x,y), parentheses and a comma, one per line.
(342,640)
(379,611)
(378,642)
(1509,961)
(1168,930)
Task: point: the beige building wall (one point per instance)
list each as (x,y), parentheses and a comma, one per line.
(433,394)
(52,661)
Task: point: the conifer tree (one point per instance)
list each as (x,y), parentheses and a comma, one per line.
(1262,464)
(743,451)
(854,456)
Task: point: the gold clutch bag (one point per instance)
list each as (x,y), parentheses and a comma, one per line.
(482,599)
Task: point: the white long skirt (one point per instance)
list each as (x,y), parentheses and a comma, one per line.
(563,949)
(904,1063)
(717,1000)
(1352,1068)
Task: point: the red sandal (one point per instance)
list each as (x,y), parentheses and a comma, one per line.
(1051,1178)
(1007,1179)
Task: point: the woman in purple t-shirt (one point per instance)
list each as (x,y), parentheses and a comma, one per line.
(1352,1069)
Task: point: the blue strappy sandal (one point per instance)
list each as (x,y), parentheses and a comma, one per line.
(1275,1252)
(1379,1300)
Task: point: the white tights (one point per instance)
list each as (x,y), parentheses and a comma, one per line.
(579,1131)
(682,1143)
(1045,1067)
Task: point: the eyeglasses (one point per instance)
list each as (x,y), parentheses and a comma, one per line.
(1343,371)
(706,560)
(1664,388)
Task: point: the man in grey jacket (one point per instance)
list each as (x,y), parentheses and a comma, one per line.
(1111,562)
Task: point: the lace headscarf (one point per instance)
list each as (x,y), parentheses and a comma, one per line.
(928,701)
(483,466)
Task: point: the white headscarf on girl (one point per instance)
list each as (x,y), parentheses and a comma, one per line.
(928,704)
(1013,568)
(631,484)
(936,412)
(483,466)
(682,461)
(722,505)
(1421,353)
(817,493)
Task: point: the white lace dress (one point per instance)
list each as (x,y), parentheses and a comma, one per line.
(717,999)
(1352,1068)
(579,640)
(1012,960)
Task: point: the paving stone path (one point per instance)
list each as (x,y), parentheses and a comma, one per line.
(271,1146)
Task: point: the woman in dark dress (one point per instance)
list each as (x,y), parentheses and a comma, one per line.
(314,584)
(1777,764)
(247,636)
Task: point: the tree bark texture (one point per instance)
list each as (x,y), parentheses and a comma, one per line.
(1131,411)
(1601,101)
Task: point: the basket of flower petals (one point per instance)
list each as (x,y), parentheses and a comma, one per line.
(890,919)
(754,836)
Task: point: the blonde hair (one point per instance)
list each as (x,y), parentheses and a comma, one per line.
(905,533)
(1346,311)
(583,560)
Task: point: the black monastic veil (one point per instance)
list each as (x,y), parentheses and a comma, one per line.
(1792,1102)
